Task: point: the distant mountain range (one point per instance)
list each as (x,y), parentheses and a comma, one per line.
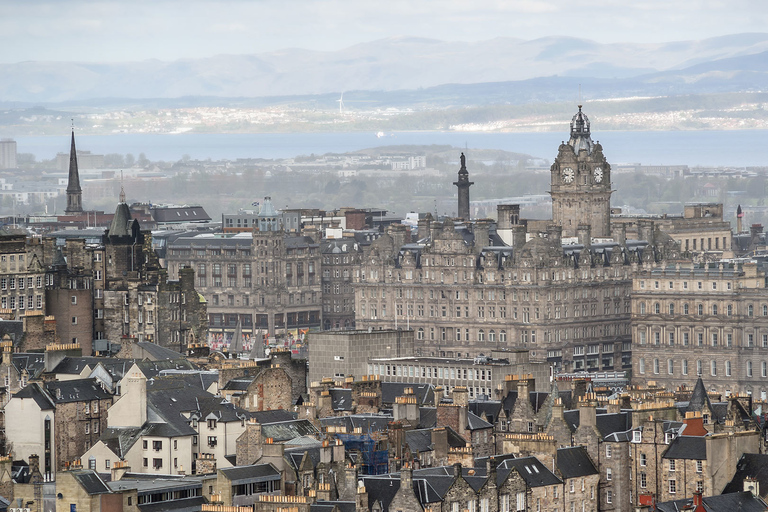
(546,69)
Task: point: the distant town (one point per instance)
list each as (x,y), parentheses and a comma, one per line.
(456,348)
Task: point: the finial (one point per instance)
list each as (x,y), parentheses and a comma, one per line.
(72,120)
(122,194)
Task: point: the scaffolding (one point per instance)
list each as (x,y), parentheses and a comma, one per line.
(372,460)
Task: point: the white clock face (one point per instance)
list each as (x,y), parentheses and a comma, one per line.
(598,175)
(568,175)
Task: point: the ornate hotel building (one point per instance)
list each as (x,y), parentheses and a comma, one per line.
(559,288)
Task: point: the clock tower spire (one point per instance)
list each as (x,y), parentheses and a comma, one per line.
(581,182)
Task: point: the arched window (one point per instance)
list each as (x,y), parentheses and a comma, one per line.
(749,368)
(480,335)
(701,309)
(656,366)
(714,309)
(641,365)
(503,336)
(642,308)
(420,333)
(491,336)
(685,308)
(657,308)
(671,309)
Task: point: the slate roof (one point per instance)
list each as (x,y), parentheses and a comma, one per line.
(341,399)
(90,481)
(36,393)
(476,423)
(491,408)
(368,423)
(427,417)
(699,398)
(687,447)
(425,393)
(537,398)
(153,368)
(575,462)
(420,440)
(76,390)
(120,439)
(741,501)
(33,362)
(607,424)
(237,385)
(531,469)
(286,430)
(251,473)
(180,214)
(157,352)
(750,465)
(273,416)
(14,328)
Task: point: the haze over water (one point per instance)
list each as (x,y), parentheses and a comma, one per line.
(737,148)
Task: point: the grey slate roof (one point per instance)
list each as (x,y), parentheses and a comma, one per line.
(741,501)
(531,469)
(699,398)
(193,504)
(251,473)
(420,440)
(286,430)
(575,462)
(425,393)
(687,447)
(368,423)
(750,465)
(90,481)
(76,390)
(157,352)
(476,423)
(36,393)
(33,362)
(180,214)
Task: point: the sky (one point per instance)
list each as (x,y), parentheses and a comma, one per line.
(134,30)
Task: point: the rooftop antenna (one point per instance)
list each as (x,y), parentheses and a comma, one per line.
(341,103)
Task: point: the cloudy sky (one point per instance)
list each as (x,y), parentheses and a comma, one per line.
(129,30)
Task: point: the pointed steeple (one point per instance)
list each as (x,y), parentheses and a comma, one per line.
(236,345)
(699,398)
(74,192)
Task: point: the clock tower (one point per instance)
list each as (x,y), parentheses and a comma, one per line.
(581,183)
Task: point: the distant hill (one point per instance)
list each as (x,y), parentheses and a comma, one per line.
(546,69)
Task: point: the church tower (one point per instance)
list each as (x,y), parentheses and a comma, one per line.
(581,183)
(463,185)
(74,192)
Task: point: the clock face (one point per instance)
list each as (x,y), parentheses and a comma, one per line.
(598,175)
(568,175)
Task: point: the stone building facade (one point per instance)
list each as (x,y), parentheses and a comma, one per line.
(21,274)
(341,256)
(109,286)
(266,280)
(706,320)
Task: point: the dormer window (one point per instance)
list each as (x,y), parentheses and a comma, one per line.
(637,436)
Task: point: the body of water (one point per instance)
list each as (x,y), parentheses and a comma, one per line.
(704,148)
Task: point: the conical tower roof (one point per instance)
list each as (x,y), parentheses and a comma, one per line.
(699,398)
(580,135)
(121,222)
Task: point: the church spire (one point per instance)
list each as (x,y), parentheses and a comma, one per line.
(74,192)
